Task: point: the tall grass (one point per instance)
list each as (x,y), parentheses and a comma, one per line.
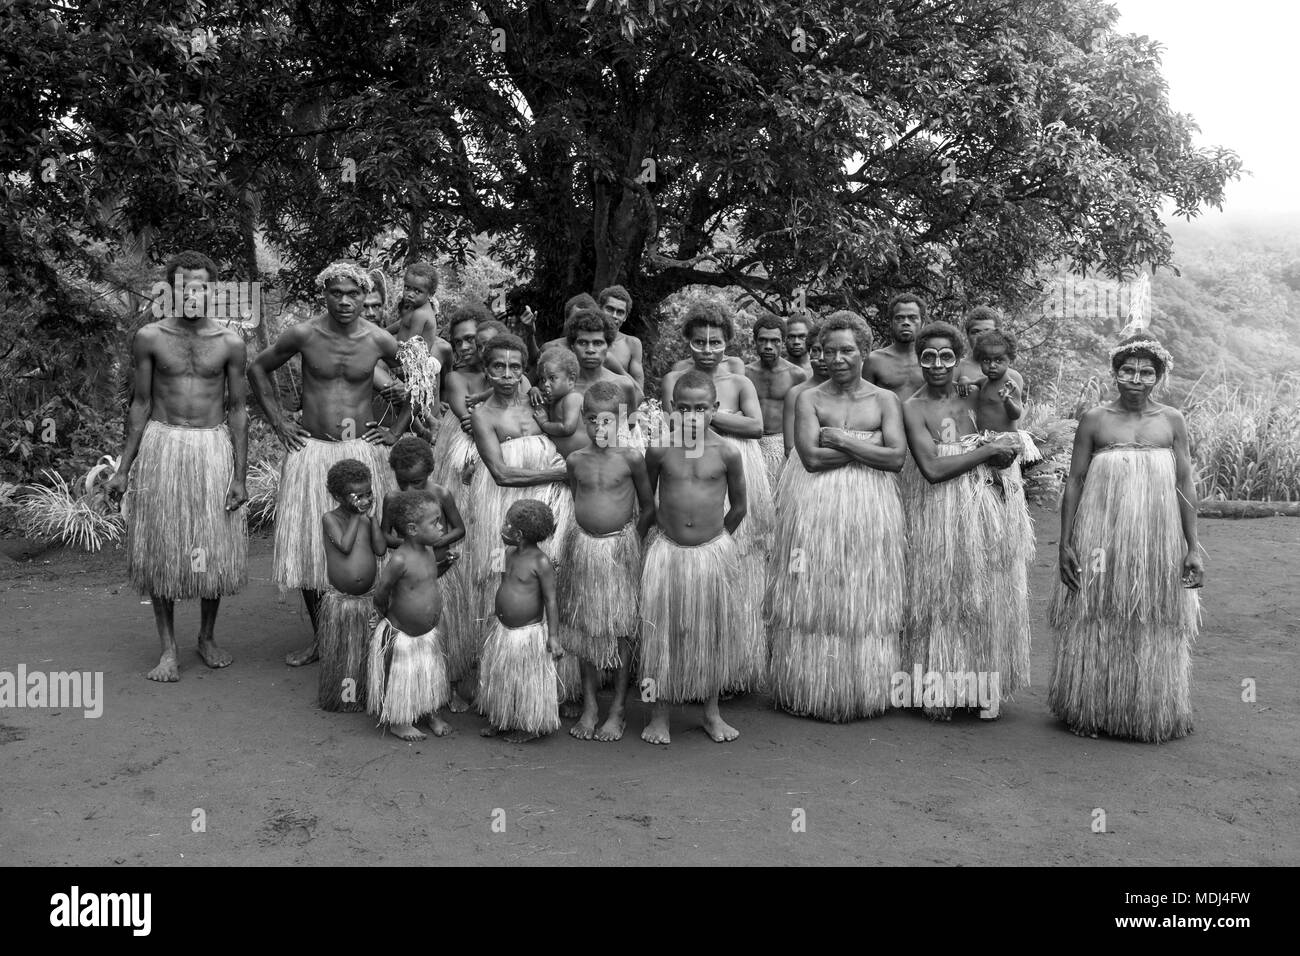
(1246,442)
(57,512)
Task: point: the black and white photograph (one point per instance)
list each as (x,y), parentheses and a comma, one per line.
(650,433)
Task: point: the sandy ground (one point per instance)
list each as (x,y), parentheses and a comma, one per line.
(281,782)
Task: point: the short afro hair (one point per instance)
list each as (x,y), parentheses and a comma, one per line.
(982,313)
(903,298)
(533,519)
(614,292)
(588,320)
(343,475)
(405,507)
(707,313)
(602,396)
(852,322)
(767,320)
(425,270)
(991,340)
(505,342)
(410,450)
(696,379)
(469,312)
(582,300)
(189,259)
(495,326)
(940,330)
(559,360)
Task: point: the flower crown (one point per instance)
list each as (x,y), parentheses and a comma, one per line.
(345,270)
(1145,345)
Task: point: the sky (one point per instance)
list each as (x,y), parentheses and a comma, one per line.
(1235,67)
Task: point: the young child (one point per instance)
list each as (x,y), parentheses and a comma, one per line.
(561,415)
(408,673)
(692,642)
(600,571)
(517,682)
(1000,392)
(353,541)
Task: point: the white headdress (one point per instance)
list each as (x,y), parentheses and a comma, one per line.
(344,270)
(1145,345)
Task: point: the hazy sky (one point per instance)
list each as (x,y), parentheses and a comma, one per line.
(1235,67)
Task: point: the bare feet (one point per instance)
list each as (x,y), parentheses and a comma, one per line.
(166,672)
(1077,731)
(612,728)
(939,714)
(405,732)
(570,709)
(488,731)
(437,726)
(656,731)
(307,655)
(585,728)
(719,729)
(212,655)
(458,704)
(520,737)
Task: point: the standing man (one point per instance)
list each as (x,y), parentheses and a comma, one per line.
(625,350)
(773,377)
(338,353)
(895,366)
(796,342)
(187,438)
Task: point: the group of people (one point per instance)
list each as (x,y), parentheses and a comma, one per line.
(817,523)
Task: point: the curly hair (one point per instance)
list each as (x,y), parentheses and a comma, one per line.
(504,342)
(469,312)
(405,507)
(410,450)
(602,396)
(903,298)
(343,475)
(588,320)
(582,300)
(767,320)
(425,270)
(614,292)
(560,360)
(189,259)
(533,519)
(982,313)
(696,379)
(852,322)
(940,330)
(707,313)
(991,340)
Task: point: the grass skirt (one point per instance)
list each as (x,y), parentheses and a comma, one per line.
(408,675)
(599,592)
(454,457)
(344,625)
(835,598)
(773,449)
(691,646)
(1123,652)
(299,544)
(753,543)
(181,540)
(517,680)
(965,579)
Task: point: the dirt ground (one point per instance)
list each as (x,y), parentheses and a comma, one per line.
(281,782)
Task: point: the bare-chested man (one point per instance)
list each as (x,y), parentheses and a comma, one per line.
(895,366)
(187,437)
(820,374)
(773,377)
(589,335)
(338,355)
(582,302)
(625,351)
(797,328)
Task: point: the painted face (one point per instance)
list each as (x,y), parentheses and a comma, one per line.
(1136,376)
(796,340)
(415,291)
(590,347)
(464,347)
(556,383)
(412,476)
(994,363)
(941,356)
(343,299)
(842,356)
(372,307)
(817,359)
(905,322)
(505,369)
(359,497)
(194,292)
(767,343)
(616,309)
(601,425)
(695,408)
(707,344)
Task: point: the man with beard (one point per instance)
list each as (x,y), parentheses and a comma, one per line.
(894,367)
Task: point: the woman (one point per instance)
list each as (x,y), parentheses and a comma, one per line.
(1125,609)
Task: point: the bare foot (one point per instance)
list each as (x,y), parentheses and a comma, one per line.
(405,732)
(656,731)
(719,729)
(612,728)
(437,726)
(488,731)
(214,656)
(458,704)
(307,655)
(166,672)
(940,714)
(585,728)
(570,709)
(520,737)
(1077,731)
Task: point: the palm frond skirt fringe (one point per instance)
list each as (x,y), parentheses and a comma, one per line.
(344,624)
(299,546)
(408,675)
(599,593)
(1122,663)
(517,680)
(835,600)
(455,457)
(773,449)
(182,542)
(691,647)
(753,542)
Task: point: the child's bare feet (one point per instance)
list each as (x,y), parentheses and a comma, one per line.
(488,731)
(613,727)
(167,671)
(520,737)
(1083,732)
(656,731)
(458,704)
(307,655)
(437,726)
(212,655)
(405,732)
(719,729)
(585,728)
